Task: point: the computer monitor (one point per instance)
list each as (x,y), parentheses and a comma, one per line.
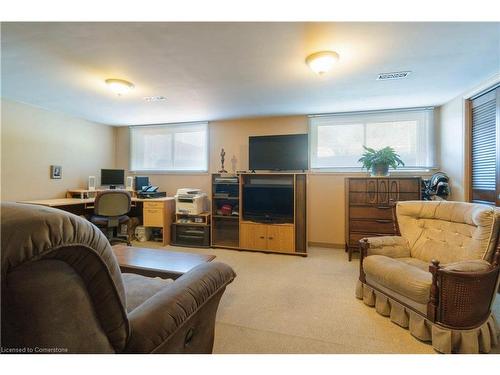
(112,177)
(140,182)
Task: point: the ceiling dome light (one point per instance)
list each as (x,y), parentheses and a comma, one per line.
(322,62)
(119,86)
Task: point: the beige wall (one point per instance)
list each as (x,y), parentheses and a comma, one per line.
(451,146)
(34,138)
(325,194)
(326,203)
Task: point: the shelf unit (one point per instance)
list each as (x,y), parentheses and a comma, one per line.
(191,230)
(199,219)
(225,227)
(231,231)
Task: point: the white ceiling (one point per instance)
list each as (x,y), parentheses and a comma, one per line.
(213,71)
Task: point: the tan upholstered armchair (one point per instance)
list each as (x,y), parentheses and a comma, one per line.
(62,291)
(439,277)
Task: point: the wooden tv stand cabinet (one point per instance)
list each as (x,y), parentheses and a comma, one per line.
(235,232)
(269,237)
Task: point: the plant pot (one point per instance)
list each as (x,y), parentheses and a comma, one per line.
(380,170)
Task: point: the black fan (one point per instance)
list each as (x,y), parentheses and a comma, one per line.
(436,188)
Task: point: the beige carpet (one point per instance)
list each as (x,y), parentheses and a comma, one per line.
(289,304)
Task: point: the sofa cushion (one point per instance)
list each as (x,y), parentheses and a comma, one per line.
(448,231)
(424,266)
(139,288)
(397,275)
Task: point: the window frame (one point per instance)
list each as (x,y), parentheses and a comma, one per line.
(170,171)
(358,170)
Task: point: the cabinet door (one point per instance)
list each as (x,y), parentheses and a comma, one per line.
(402,189)
(394,190)
(280,238)
(253,236)
(362,191)
(383,191)
(153,217)
(371,191)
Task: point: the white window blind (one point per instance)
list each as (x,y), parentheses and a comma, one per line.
(484,148)
(169,148)
(337,140)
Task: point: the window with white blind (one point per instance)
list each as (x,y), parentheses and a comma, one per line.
(337,140)
(169,148)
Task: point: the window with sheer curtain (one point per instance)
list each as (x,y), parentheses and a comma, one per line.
(337,140)
(169,148)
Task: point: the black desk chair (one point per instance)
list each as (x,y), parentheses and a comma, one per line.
(110,212)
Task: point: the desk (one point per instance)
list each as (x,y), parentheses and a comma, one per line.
(86,193)
(156,212)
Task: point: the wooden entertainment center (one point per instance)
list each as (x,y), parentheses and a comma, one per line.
(231,229)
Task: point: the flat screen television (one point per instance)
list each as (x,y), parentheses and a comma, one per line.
(279,152)
(268,203)
(112,177)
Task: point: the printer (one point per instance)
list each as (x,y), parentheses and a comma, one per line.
(190,201)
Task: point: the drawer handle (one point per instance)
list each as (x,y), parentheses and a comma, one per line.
(194,232)
(270,238)
(383,221)
(384,207)
(189,236)
(261,237)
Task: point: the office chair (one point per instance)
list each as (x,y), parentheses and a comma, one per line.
(110,212)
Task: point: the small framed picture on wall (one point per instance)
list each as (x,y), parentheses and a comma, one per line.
(55,172)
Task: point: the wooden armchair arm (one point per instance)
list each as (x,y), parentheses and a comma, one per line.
(461,299)
(364,245)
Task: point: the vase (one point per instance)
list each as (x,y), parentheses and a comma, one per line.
(379,170)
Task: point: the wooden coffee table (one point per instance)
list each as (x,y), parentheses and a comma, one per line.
(157,262)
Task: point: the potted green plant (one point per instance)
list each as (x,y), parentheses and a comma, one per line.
(379,161)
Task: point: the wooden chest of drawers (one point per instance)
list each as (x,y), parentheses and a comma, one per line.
(368,206)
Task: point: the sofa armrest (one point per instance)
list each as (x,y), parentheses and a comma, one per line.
(462,293)
(390,246)
(168,320)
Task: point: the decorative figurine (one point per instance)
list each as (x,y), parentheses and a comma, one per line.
(234,161)
(222,154)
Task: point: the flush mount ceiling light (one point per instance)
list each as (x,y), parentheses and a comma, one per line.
(119,86)
(322,62)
